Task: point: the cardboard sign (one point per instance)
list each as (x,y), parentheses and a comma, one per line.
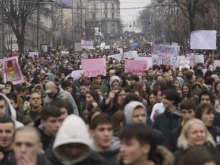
(116,56)
(76,74)
(198,59)
(87,44)
(203,39)
(165,54)
(94,67)
(135,66)
(148,61)
(11,70)
(216,63)
(184,62)
(130,55)
(33,54)
(78,47)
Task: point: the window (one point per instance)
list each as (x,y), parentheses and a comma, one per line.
(106,6)
(112,6)
(106,15)
(113,15)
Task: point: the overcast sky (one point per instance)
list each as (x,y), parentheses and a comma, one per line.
(129,16)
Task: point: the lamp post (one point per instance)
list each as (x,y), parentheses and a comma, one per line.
(2,45)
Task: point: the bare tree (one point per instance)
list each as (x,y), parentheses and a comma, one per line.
(16,15)
(190,8)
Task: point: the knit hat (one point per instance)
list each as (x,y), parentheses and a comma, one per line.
(181,81)
(113,78)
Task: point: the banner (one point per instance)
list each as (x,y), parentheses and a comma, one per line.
(198,59)
(135,66)
(33,54)
(11,70)
(130,55)
(203,39)
(94,67)
(165,54)
(216,63)
(116,56)
(184,62)
(78,47)
(148,61)
(76,74)
(87,44)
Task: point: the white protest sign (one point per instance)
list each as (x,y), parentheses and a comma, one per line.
(84,55)
(147,59)
(102,46)
(121,51)
(184,62)
(33,54)
(174,44)
(87,44)
(216,63)
(165,54)
(203,39)
(130,55)
(76,74)
(198,59)
(116,56)
(78,47)
(107,47)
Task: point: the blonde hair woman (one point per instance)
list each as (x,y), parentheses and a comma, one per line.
(195,133)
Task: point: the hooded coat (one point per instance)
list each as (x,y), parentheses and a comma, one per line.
(129,110)
(11,112)
(74,130)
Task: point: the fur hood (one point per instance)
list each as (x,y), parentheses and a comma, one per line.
(162,157)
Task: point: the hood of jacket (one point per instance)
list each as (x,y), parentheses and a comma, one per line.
(72,130)
(181,81)
(196,84)
(51,76)
(207,93)
(116,143)
(34,90)
(10,112)
(129,109)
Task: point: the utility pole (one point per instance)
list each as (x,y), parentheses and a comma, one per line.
(38,26)
(2,45)
(61,25)
(73,30)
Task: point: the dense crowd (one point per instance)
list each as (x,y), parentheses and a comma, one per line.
(165,116)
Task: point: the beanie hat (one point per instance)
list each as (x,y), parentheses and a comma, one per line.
(113,78)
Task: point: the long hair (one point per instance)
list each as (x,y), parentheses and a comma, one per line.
(182,140)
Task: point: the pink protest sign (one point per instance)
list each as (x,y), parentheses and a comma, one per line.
(12,70)
(94,67)
(135,66)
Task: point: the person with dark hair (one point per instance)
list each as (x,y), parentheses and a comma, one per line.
(22,97)
(81,99)
(198,155)
(167,121)
(10,86)
(92,95)
(139,147)
(101,130)
(7,129)
(118,119)
(12,97)
(209,82)
(50,123)
(206,113)
(198,70)
(187,109)
(186,91)
(63,107)
(133,79)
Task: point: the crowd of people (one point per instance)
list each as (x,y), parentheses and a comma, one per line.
(163,117)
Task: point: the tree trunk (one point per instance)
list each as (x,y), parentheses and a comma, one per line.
(20,42)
